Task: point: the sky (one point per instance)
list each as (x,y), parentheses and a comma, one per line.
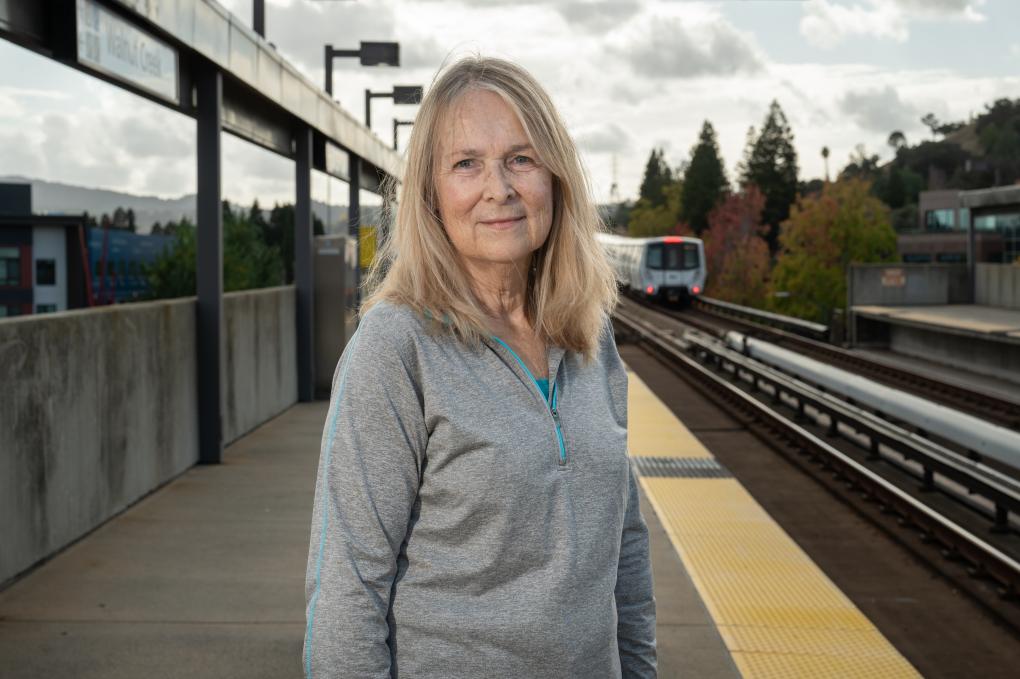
(627,76)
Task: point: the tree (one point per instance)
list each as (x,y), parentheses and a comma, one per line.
(930,121)
(247,261)
(648,220)
(861,165)
(278,232)
(825,159)
(897,140)
(998,130)
(822,237)
(736,254)
(657,177)
(771,165)
(704,181)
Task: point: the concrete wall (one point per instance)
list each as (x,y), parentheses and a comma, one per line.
(997,285)
(984,357)
(260,362)
(876,284)
(98,408)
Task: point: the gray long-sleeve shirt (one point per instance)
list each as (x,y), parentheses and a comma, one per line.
(466,527)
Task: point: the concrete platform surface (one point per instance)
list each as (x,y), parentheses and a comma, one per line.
(205,578)
(971,318)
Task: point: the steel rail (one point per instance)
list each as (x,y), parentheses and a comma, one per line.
(986,406)
(985,558)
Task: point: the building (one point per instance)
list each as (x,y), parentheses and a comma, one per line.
(57,262)
(948,219)
(41,257)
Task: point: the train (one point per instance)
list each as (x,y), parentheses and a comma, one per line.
(665,269)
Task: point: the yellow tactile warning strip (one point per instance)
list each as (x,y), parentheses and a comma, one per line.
(778,614)
(653,429)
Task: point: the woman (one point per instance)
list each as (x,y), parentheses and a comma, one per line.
(475,513)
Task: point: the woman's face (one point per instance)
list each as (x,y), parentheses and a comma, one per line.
(495,199)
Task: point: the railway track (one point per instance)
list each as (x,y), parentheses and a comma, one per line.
(999,411)
(956,514)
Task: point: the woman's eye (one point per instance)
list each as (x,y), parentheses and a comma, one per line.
(522,160)
(465,164)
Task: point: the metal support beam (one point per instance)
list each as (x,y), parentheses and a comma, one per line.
(971,256)
(354,220)
(209,320)
(259,20)
(303,262)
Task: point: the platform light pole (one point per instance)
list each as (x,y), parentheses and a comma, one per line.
(396,125)
(370,54)
(401,94)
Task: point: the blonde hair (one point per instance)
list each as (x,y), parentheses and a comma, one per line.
(570,289)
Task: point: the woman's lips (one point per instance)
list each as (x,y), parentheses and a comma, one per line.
(499,224)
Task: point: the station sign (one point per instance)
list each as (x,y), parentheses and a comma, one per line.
(894,278)
(114,46)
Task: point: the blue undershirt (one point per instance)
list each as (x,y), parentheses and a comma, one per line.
(543,384)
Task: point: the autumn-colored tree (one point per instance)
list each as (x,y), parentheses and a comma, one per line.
(735,252)
(825,233)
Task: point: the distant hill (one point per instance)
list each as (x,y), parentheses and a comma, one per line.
(50,198)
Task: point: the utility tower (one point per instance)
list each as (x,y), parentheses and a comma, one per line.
(614,188)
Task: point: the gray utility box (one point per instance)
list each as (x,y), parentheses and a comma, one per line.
(336,299)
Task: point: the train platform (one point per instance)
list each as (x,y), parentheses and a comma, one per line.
(205,577)
(984,322)
(984,340)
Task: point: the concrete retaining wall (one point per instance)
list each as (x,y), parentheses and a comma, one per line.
(984,357)
(98,408)
(260,358)
(997,285)
(880,284)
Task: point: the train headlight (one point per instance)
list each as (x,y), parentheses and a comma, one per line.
(650,289)
(696,290)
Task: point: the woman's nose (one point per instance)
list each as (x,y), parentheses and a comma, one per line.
(497,183)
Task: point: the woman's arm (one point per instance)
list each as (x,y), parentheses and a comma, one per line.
(369,470)
(635,600)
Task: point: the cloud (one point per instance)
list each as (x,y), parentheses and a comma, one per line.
(606,138)
(674,48)
(422,52)
(827,23)
(142,138)
(599,15)
(879,110)
(301,28)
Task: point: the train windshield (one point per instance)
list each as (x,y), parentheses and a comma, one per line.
(673,256)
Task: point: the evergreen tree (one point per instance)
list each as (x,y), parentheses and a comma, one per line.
(704,181)
(771,165)
(657,177)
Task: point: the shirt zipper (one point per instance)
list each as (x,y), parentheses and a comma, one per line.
(551,403)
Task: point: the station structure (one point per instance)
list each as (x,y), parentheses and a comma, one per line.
(124,557)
